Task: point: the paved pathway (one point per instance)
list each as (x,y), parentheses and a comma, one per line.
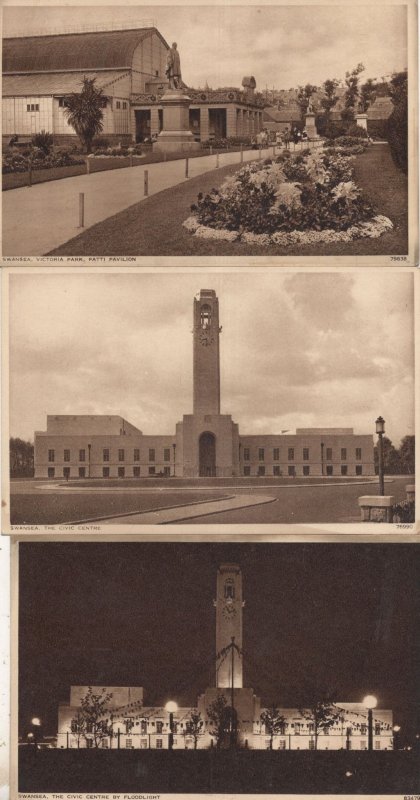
(163,516)
(39,218)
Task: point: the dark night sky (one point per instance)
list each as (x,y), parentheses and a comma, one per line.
(141,614)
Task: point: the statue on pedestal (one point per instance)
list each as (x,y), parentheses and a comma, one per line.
(173,68)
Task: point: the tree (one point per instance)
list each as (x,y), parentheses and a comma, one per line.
(303,97)
(274,722)
(221,718)
(319,708)
(397,125)
(330,98)
(352,93)
(391,458)
(78,726)
(84,112)
(194,726)
(406,454)
(21,458)
(91,720)
(368,95)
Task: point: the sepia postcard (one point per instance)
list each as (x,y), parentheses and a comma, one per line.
(222,401)
(150,670)
(279,133)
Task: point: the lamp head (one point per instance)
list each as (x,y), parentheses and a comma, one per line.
(380,425)
(36,721)
(171,706)
(370,701)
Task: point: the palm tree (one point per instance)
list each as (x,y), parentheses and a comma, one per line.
(84,112)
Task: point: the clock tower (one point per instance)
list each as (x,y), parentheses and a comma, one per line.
(206,363)
(229,606)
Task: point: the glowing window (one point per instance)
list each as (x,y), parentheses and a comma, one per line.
(205,316)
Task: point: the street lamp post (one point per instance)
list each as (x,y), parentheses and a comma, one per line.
(370,702)
(396,729)
(171,707)
(36,724)
(380,430)
(174,446)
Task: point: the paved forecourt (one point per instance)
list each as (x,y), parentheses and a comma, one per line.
(39,218)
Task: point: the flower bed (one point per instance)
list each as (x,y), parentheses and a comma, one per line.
(306,198)
(13,161)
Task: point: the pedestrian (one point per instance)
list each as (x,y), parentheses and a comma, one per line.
(286,137)
(304,135)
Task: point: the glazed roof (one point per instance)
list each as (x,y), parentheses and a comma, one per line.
(55,83)
(93,50)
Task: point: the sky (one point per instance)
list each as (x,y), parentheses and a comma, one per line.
(280,45)
(141,614)
(297,349)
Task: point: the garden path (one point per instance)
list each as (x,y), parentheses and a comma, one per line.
(39,218)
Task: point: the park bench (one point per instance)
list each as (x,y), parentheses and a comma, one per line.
(20,141)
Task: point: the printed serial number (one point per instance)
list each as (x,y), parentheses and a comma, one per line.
(412,797)
(409,526)
(399,258)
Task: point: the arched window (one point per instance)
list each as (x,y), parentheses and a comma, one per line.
(205,316)
(229,589)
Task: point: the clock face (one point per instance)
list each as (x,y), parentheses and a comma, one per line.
(206,338)
(229,612)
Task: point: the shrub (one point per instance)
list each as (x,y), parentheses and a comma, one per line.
(398,136)
(44,141)
(229,141)
(403,512)
(100,142)
(378,128)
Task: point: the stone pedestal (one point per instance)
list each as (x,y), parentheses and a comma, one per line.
(376,508)
(361,120)
(310,126)
(175,135)
(411,492)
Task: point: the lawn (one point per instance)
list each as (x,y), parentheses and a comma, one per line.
(51,509)
(153,227)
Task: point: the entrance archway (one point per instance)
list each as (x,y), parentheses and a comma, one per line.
(207,455)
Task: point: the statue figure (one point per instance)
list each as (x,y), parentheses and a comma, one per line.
(173,68)
(310,109)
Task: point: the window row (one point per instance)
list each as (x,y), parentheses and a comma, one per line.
(291,454)
(306,470)
(106,453)
(122,472)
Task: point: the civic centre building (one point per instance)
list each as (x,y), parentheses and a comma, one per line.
(129,65)
(206,443)
(135,725)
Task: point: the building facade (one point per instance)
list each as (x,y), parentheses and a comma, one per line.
(206,443)
(131,724)
(129,65)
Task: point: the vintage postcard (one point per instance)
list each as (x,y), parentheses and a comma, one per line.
(283,133)
(150,670)
(135,399)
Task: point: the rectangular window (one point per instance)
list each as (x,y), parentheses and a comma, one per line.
(121,455)
(261,470)
(297,728)
(151,454)
(282,744)
(67,455)
(136,455)
(159,744)
(129,744)
(358,453)
(344,454)
(167,454)
(124,104)
(66,473)
(152,470)
(306,470)
(247,470)
(260,454)
(89,743)
(276,470)
(166,470)
(311,744)
(51,455)
(82,455)
(377,745)
(276,454)
(105,472)
(291,471)
(105,454)
(363,744)
(51,472)
(121,472)
(377,729)
(143,726)
(82,472)
(136,472)
(306,453)
(104,744)
(32,107)
(291,454)
(363,729)
(311,727)
(117,104)
(143,744)
(359,469)
(344,469)
(246,453)
(329,469)
(159,727)
(329,454)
